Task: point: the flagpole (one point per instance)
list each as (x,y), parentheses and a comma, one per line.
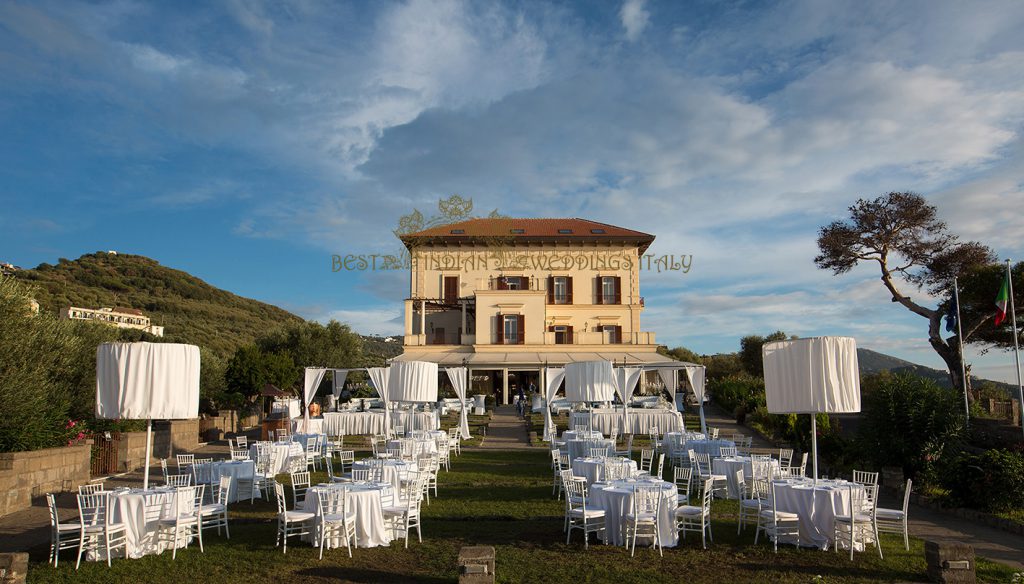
(1016,347)
(960,341)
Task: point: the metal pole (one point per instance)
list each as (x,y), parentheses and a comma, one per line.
(1016,347)
(814,444)
(960,340)
(149,452)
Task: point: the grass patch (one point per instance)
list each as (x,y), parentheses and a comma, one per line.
(501,499)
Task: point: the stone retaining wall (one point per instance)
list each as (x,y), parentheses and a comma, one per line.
(169,438)
(25,475)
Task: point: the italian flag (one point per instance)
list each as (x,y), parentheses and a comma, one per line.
(1002,301)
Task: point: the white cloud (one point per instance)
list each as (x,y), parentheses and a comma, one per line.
(634,18)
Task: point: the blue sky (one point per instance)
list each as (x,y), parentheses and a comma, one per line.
(246,142)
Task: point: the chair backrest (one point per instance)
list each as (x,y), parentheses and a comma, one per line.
(185,461)
(312,445)
(91,487)
(646,459)
(400,429)
(223,490)
(179,480)
(579,427)
(738,477)
(300,484)
(865,477)
(567,478)
(395,452)
(163,467)
(681,476)
(614,469)
(660,470)
(598,452)
(906,497)
(239,454)
(563,460)
(576,491)
(92,508)
(759,489)
(360,475)
(646,499)
(703,462)
(727,451)
(241,441)
(713,433)
(706,495)
(785,456)
(51,504)
(282,506)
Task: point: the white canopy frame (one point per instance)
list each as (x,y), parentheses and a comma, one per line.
(143,381)
(815,375)
(459,376)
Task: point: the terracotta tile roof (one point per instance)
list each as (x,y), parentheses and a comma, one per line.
(569,229)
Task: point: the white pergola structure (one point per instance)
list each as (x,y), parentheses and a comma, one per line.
(147,381)
(600,381)
(816,375)
(402,382)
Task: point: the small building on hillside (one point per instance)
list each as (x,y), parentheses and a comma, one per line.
(132,318)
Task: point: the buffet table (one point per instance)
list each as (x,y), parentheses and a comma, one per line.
(371,423)
(639,421)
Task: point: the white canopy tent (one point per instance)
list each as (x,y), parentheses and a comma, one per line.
(459,377)
(553,376)
(812,376)
(143,381)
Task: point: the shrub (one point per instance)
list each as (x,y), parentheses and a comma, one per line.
(738,390)
(909,422)
(989,481)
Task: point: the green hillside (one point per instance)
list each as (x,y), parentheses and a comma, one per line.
(191,310)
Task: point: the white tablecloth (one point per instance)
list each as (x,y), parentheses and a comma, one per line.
(368,502)
(640,421)
(592,469)
(424,446)
(416,420)
(581,448)
(283,453)
(314,426)
(394,471)
(704,446)
(817,507)
(236,469)
(617,500)
(140,510)
(729,466)
(584,435)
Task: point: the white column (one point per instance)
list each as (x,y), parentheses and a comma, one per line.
(504,385)
(423,317)
(464,330)
(408,317)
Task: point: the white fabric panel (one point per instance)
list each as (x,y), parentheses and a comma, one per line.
(670,377)
(312,379)
(814,375)
(636,422)
(412,381)
(554,377)
(627,378)
(590,381)
(380,377)
(458,377)
(695,375)
(338,382)
(142,381)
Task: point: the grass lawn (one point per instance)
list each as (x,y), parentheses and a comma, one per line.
(501,499)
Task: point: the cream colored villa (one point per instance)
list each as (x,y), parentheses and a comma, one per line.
(507,297)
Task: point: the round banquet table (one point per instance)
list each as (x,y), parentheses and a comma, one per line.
(616,499)
(729,466)
(582,435)
(710,447)
(581,448)
(140,510)
(210,474)
(592,469)
(283,452)
(367,500)
(420,446)
(817,506)
(395,471)
(300,439)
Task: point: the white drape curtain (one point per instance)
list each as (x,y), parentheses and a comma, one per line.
(458,377)
(412,381)
(379,378)
(145,381)
(590,381)
(695,375)
(819,374)
(338,382)
(313,377)
(554,376)
(670,377)
(627,378)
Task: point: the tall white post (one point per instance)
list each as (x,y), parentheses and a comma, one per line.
(814,444)
(149,452)
(960,340)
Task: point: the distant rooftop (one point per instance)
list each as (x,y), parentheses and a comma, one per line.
(567,229)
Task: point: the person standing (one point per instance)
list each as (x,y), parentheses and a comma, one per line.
(521,403)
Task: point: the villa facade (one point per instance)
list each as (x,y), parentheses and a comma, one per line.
(132,318)
(507,297)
